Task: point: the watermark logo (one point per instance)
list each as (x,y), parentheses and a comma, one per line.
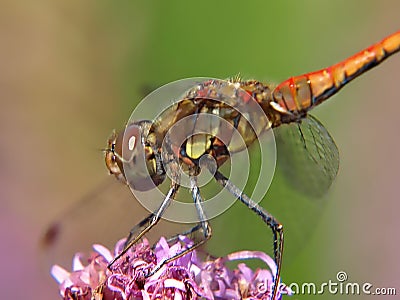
(341,285)
(188,118)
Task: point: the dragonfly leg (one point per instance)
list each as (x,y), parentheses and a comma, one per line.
(192,230)
(270,220)
(203,225)
(147,223)
(142,224)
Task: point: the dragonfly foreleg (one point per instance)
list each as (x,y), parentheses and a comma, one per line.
(203,225)
(147,223)
(270,220)
(188,233)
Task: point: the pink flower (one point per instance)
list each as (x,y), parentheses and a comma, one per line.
(184,278)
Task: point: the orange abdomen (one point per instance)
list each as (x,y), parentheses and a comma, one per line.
(302,92)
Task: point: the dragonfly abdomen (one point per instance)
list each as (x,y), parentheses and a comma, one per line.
(301,93)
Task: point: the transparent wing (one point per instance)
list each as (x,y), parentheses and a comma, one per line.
(307,155)
(103,216)
(308,162)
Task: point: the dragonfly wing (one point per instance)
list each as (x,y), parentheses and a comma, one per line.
(307,155)
(103,216)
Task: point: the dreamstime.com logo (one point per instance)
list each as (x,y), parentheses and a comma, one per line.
(341,286)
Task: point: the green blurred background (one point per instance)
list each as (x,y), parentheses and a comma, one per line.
(72,71)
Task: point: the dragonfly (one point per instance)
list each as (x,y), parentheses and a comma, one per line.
(146,153)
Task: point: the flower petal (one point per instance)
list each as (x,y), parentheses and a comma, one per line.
(103,251)
(173,283)
(77,263)
(59,273)
(253,254)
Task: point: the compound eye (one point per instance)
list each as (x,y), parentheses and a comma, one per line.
(135,159)
(127,143)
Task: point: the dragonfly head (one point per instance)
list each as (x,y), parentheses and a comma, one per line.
(131,160)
